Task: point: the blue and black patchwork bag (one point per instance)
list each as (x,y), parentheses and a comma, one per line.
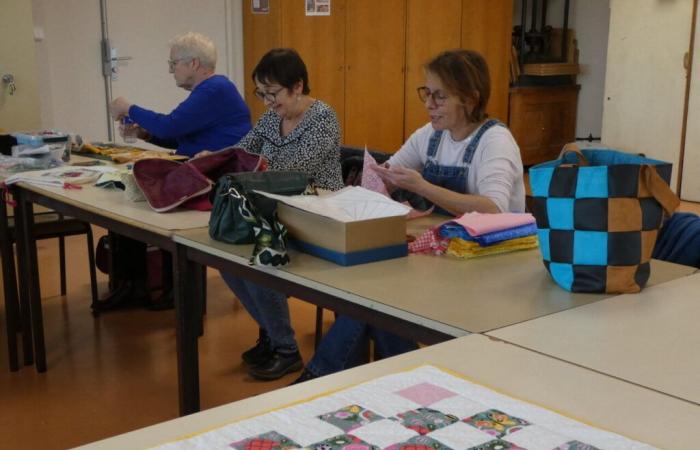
(598,214)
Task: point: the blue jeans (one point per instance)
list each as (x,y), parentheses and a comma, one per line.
(345,343)
(268,308)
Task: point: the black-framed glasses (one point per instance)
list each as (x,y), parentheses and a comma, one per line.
(270,97)
(173,62)
(437,96)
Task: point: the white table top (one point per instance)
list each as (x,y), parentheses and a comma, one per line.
(651,338)
(112,203)
(595,399)
(447,294)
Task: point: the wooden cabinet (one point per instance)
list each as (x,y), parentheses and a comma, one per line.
(542,120)
(429,30)
(366,58)
(374,81)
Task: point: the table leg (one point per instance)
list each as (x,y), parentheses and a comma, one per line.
(9,278)
(29,275)
(188,318)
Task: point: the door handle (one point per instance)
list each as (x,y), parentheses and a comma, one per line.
(9,80)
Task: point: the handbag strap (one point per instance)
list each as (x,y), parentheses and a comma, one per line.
(659,189)
(572,147)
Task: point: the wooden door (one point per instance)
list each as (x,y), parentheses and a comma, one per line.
(429,30)
(262,32)
(320,40)
(645,78)
(374,78)
(486,28)
(19,111)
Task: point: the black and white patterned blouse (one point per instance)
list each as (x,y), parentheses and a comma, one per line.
(312,147)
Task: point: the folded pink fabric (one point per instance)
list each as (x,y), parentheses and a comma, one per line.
(477,224)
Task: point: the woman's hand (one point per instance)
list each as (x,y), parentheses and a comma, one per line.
(401,177)
(119,107)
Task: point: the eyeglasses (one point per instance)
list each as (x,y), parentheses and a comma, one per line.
(270,97)
(438,96)
(173,62)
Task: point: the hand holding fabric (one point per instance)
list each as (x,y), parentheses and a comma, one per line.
(401,177)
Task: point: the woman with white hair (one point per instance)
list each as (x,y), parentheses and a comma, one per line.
(212,117)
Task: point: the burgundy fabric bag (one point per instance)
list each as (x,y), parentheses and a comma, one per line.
(167,184)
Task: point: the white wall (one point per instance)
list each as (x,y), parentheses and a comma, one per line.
(590,21)
(71,86)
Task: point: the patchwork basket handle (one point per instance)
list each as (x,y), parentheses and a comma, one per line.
(572,147)
(659,189)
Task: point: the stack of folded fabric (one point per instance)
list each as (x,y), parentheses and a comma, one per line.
(475,234)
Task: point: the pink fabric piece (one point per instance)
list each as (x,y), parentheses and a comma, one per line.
(477,224)
(425,394)
(429,242)
(370,179)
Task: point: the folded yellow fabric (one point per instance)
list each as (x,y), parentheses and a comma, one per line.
(468,249)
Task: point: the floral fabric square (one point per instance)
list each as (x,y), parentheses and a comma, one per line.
(419,443)
(271,440)
(343,442)
(496,423)
(497,444)
(350,417)
(425,420)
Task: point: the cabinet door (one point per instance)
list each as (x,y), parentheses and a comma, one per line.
(645,79)
(542,120)
(320,40)
(262,32)
(429,30)
(486,28)
(374,78)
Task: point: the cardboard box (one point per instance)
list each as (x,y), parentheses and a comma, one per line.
(345,243)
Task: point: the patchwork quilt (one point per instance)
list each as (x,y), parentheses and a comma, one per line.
(421,409)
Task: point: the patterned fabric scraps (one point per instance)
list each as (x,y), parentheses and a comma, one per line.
(496,423)
(465,249)
(266,441)
(497,445)
(477,224)
(425,420)
(350,417)
(429,242)
(453,230)
(419,443)
(343,442)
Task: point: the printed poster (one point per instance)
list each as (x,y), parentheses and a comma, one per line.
(318,7)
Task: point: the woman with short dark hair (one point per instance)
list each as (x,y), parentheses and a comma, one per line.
(300,133)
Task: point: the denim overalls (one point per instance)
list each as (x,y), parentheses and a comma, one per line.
(453,178)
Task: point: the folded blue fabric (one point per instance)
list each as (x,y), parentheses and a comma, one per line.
(679,240)
(454,230)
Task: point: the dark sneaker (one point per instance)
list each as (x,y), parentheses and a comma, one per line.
(306,375)
(279,365)
(128,295)
(259,354)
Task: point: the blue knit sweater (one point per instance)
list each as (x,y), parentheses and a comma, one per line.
(212,117)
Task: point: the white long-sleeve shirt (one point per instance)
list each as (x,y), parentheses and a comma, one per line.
(496,170)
